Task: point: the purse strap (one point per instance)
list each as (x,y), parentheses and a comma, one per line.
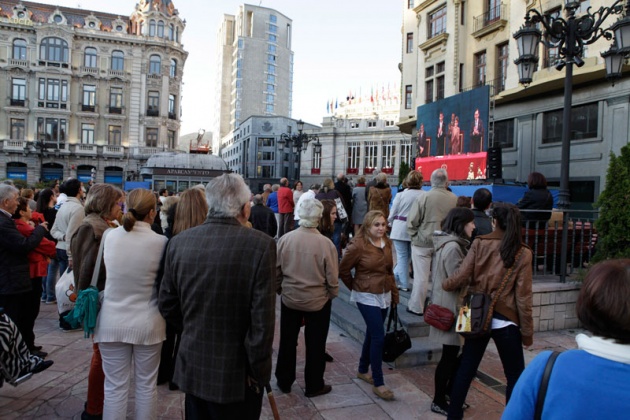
(393,315)
(99,259)
(544,384)
(498,292)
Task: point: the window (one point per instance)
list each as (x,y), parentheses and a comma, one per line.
(271,88)
(19,49)
(271,69)
(114,135)
(434,84)
(480,69)
(89,98)
(155,64)
(502,66)
(152,137)
(439,91)
(437,22)
(51,130)
(271,58)
(273,38)
(171,139)
(316,161)
(269,98)
(273,28)
(409,42)
(409,4)
(273,18)
(53,93)
(115,100)
(388,154)
(18,129)
(371,155)
(153,108)
(160,29)
(504,133)
(371,124)
(354,125)
(428,91)
(269,108)
(584,123)
(173,68)
(171,32)
(493,11)
(171,107)
(354,151)
(408,99)
(271,78)
(551,47)
(152,27)
(406,151)
(89,59)
(53,49)
(271,48)
(87,133)
(118,61)
(18,92)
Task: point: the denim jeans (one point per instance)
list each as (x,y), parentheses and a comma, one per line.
(372,352)
(62,257)
(49,282)
(509,345)
(401,270)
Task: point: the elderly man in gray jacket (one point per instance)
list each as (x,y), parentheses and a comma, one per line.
(425,216)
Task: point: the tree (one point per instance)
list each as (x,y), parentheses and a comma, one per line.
(613,223)
(403,171)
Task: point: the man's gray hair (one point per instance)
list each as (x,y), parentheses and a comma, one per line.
(309,212)
(7,191)
(226,195)
(257,200)
(439,178)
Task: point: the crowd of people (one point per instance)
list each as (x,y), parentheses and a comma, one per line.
(190,284)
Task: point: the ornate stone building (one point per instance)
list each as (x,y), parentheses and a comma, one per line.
(85,93)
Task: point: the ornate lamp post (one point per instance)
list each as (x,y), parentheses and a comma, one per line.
(570,35)
(296,144)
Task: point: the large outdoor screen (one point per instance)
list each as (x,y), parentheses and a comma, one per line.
(456,125)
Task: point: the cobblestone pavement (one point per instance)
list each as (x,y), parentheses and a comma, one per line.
(60,392)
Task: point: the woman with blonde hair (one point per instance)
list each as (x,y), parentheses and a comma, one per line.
(129,326)
(373,289)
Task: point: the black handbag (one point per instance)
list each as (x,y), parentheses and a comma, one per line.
(397,341)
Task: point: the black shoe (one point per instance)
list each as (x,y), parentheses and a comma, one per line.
(415,313)
(328,357)
(440,410)
(325,390)
(35,348)
(42,366)
(284,389)
(39,353)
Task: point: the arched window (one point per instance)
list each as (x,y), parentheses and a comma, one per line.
(152,27)
(90,57)
(173,68)
(171,32)
(118,60)
(19,49)
(53,49)
(160,29)
(155,64)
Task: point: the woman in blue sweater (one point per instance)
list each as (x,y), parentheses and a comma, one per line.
(592,382)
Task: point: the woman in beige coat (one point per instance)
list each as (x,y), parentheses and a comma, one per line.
(451,245)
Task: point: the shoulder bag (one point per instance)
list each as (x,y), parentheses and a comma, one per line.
(341,210)
(439,317)
(475,316)
(397,341)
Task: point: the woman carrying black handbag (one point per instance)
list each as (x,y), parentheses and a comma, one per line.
(373,288)
(484,270)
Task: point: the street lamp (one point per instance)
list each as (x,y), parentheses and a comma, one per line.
(297,143)
(570,35)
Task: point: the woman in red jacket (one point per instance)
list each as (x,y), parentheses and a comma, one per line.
(38,265)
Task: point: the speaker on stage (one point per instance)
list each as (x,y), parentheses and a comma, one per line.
(494,163)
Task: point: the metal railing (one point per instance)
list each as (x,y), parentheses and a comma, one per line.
(492,15)
(545,239)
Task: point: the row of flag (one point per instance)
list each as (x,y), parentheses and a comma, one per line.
(375,97)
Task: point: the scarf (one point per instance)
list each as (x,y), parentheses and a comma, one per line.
(604,347)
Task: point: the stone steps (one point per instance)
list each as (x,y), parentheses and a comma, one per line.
(422,351)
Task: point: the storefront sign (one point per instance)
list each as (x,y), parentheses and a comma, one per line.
(16,21)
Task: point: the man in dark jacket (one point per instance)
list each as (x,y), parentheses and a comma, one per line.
(262,218)
(15,279)
(481,201)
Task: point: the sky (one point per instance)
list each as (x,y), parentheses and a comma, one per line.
(339,46)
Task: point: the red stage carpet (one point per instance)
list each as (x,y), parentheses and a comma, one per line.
(459,167)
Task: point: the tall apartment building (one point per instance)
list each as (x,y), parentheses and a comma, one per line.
(452,46)
(254,68)
(88,94)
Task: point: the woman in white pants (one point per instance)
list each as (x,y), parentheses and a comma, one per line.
(129,325)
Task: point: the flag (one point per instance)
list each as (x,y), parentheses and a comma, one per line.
(327,107)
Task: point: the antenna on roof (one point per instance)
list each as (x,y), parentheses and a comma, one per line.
(78,5)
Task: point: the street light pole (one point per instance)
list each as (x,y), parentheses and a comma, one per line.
(297,143)
(570,36)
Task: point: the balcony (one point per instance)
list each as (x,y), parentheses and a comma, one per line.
(115,110)
(153,112)
(53,64)
(113,151)
(88,108)
(172,116)
(18,63)
(17,146)
(85,149)
(145,152)
(115,73)
(491,21)
(17,102)
(154,76)
(89,70)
